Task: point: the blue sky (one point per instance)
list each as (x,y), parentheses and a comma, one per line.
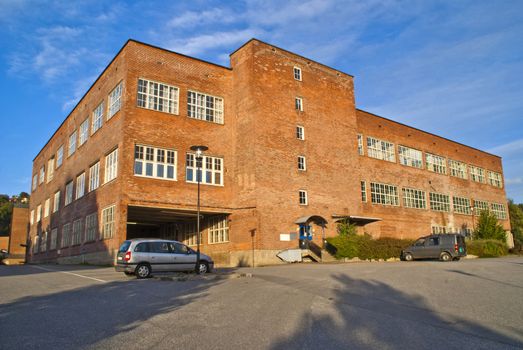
(453,68)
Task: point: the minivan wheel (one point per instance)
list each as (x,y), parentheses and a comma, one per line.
(408,257)
(203,267)
(445,257)
(142,271)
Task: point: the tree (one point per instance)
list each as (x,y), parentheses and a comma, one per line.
(6,209)
(516,222)
(488,227)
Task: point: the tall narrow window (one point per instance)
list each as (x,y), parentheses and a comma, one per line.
(77,232)
(297,73)
(54,236)
(35,181)
(50,169)
(204,107)
(298,103)
(157,96)
(360,144)
(302,195)
(98,117)
(108,222)
(59,156)
(111,166)
(84,132)
(80,186)
(212,170)
(56,201)
(155,162)
(39,213)
(43,242)
(94,177)
(300,132)
(42,175)
(66,235)
(32,217)
(114,101)
(91,227)
(363,186)
(72,143)
(47,205)
(68,193)
(302,165)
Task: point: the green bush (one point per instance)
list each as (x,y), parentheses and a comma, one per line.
(488,227)
(364,247)
(487,248)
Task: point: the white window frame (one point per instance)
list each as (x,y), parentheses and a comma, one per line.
(80,185)
(217,168)
(360,145)
(495,179)
(47,205)
(436,164)
(480,206)
(114,100)
(499,210)
(76,238)
(303,198)
(91,227)
(32,217)
(363,188)
(35,181)
(300,132)
(41,177)
(72,143)
(94,176)
(166,101)
(39,213)
(297,73)
(111,166)
(218,231)
(381,149)
(410,157)
(67,231)
(83,134)
(458,169)
(384,194)
(477,174)
(108,222)
(205,107)
(302,163)
(69,188)
(439,202)
(56,201)
(50,169)
(461,205)
(298,104)
(59,156)
(151,161)
(414,198)
(188,232)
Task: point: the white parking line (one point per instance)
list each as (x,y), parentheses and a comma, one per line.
(69,273)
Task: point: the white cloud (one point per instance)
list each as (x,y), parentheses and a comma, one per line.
(191,19)
(514,181)
(510,148)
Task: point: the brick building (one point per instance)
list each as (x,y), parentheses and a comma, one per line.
(289,153)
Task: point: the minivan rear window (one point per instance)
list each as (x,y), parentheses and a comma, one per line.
(125,245)
(460,239)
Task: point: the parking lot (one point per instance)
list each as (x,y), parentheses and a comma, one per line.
(471,304)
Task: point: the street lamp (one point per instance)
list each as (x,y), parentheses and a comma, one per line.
(472,209)
(198,157)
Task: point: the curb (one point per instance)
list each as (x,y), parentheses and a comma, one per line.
(210,277)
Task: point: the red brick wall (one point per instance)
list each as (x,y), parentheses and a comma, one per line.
(18,234)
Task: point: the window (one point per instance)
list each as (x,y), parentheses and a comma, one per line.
(218,230)
(56,201)
(458,169)
(360,144)
(384,194)
(77,232)
(204,107)
(32,217)
(42,175)
(363,187)
(494,179)
(380,149)
(91,227)
(35,181)
(155,162)
(212,169)
(435,163)
(94,177)
(303,197)
(439,202)
(413,198)
(35,244)
(410,157)
(80,185)
(436,229)
(84,132)
(433,241)
(59,156)
(477,174)
(50,169)
(54,237)
(298,104)
(111,166)
(300,132)
(301,163)
(114,101)
(72,144)
(188,232)
(499,210)
(98,118)
(108,222)
(297,73)
(68,193)
(47,205)
(39,213)
(480,206)
(461,205)
(157,96)
(66,235)
(43,242)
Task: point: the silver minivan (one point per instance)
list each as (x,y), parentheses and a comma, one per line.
(142,257)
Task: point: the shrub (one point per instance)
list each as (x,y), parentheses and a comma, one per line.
(489,228)
(364,247)
(487,248)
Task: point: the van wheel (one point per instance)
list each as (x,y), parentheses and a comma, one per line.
(408,257)
(203,267)
(445,257)
(142,271)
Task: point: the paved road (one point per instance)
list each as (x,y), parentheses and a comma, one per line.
(471,304)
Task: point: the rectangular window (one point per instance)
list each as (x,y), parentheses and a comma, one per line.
(384,194)
(77,232)
(297,73)
(300,132)
(155,162)
(94,177)
(84,132)
(437,229)
(157,96)
(66,235)
(477,174)
(50,169)
(188,232)
(435,163)
(204,107)
(39,213)
(303,197)
(461,205)
(480,206)
(108,222)
(413,198)
(363,187)
(35,244)
(47,205)
(115,103)
(35,181)
(56,201)
(91,227)
(212,170)
(302,165)
(410,157)
(54,237)
(458,169)
(42,175)
(72,144)
(439,202)
(218,230)
(495,179)
(59,156)
(499,210)
(80,186)
(98,118)
(43,242)
(68,193)
(111,166)
(298,104)
(360,144)
(380,149)
(32,217)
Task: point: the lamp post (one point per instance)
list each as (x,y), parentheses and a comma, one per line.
(199,158)
(472,209)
